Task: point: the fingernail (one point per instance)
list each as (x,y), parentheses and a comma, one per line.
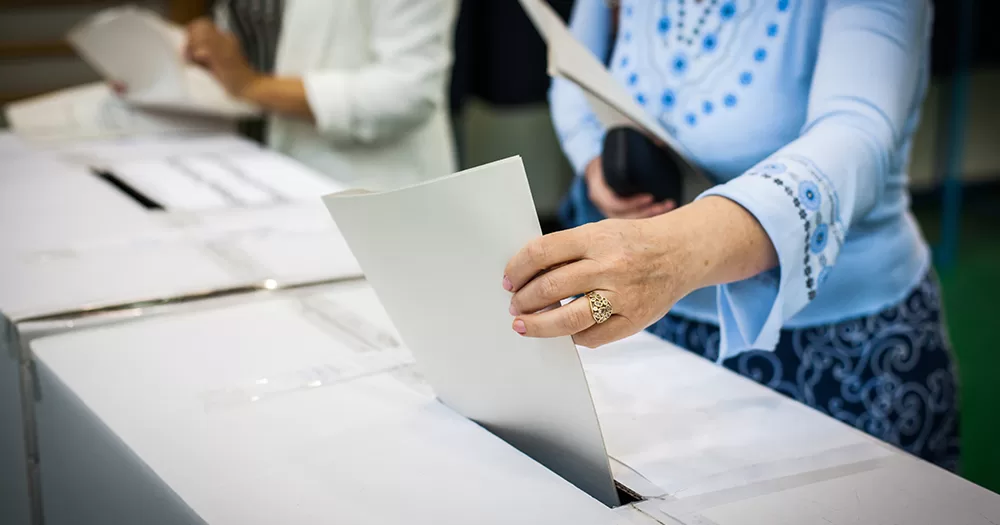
(513,311)
(519,327)
(507,285)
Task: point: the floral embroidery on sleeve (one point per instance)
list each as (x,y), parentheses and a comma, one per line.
(814,197)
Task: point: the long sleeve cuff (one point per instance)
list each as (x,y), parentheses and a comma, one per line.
(798,208)
(329,98)
(584,144)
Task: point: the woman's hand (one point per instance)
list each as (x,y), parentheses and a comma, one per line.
(642,267)
(615,207)
(220,53)
(634,266)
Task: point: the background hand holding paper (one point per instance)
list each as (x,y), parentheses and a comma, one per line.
(145,53)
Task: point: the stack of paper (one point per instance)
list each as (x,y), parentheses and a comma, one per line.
(145,52)
(435,254)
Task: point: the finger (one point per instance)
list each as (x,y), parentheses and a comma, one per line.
(118,87)
(555,285)
(543,253)
(611,202)
(201,55)
(564,320)
(200,27)
(614,329)
(649,211)
(199,33)
(635,201)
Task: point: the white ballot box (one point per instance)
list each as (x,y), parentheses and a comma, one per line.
(706,446)
(291,410)
(272,412)
(73,246)
(236,255)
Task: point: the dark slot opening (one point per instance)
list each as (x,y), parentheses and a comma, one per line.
(127,189)
(626,496)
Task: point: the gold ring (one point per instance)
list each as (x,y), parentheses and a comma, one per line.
(600,307)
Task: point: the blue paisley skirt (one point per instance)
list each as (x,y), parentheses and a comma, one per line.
(890,374)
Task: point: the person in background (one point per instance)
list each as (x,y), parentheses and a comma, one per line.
(354,88)
(802,268)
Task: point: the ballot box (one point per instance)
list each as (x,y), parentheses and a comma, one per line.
(83,246)
(232,256)
(706,446)
(45,205)
(270,412)
(286,411)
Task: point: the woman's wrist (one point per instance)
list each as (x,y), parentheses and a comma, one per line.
(712,241)
(253,88)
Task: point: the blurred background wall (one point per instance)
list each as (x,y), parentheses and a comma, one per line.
(499,108)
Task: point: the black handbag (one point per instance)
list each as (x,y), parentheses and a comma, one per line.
(634,164)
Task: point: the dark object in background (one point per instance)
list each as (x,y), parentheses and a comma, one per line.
(499,57)
(633,164)
(945,38)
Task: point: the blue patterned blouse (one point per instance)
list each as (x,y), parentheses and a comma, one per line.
(803,111)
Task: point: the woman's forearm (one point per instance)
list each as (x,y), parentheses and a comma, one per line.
(282,95)
(721,240)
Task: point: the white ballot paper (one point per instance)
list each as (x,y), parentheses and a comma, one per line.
(435,254)
(137,47)
(93,111)
(609,100)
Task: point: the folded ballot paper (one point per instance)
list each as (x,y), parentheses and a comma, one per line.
(609,100)
(139,48)
(94,111)
(435,254)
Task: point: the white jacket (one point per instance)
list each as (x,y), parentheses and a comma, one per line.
(376,75)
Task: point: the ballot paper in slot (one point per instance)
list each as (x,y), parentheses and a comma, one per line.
(610,102)
(145,52)
(435,254)
(93,111)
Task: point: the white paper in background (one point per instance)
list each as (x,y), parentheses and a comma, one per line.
(93,111)
(435,255)
(137,47)
(609,100)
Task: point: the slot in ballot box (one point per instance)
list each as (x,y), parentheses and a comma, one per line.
(269,412)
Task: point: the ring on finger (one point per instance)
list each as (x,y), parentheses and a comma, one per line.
(600,307)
